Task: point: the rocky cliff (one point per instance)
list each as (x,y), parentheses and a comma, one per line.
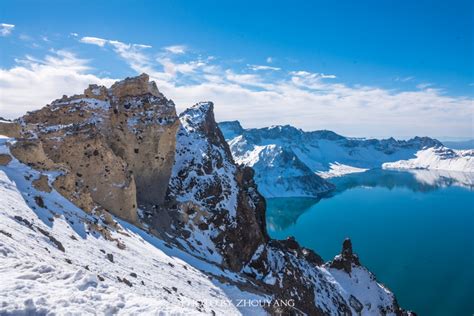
(114,148)
(122,150)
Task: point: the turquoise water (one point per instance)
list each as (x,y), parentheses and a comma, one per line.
(414,235)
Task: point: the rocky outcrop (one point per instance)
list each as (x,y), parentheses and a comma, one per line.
(115,147)
(5,159)
(222,215)
(41,184)
(346,259)
(9,128)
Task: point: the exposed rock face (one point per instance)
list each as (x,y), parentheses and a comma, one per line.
(9,128)
(346,259)
(41,184)
(218,202)
(115,146)
(5,159)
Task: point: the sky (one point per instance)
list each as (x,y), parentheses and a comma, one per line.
(362,69)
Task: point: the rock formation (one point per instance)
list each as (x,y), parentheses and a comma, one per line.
(114,147)
(216,198)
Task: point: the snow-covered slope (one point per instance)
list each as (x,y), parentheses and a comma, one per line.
(437,158)
(54,258)
(291,162)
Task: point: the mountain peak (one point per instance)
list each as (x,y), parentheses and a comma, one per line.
(198,114)
(132,86)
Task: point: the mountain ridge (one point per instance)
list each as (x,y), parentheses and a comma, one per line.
(321,155)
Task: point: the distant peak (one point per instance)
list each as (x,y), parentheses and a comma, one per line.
(231,129)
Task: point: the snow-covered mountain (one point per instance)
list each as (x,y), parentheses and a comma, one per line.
(112,204)
(437,158)
(291,162)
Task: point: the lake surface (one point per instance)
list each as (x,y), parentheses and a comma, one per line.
(413,230)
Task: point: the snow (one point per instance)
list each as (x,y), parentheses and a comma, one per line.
(90,103)
(338,170)
(439,158)
(39,278)
(370,294)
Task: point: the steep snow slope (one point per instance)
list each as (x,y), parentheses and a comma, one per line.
(54,258)
(287,151)
(439,158)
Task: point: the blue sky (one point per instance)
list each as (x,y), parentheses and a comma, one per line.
(308,63)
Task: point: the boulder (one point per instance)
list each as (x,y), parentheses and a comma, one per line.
(5,159)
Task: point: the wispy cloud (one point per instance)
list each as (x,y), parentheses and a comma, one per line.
(404,79)
(262,67)
(6,29)
(309,76)
(176,49)
(94,41)
(423,86)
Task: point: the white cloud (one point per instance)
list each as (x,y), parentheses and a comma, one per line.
(269,60)
(33,83)
(404,79)
(172,68)
(423,86)
(6,29)
(176,49)
(263,67)
(94,41)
